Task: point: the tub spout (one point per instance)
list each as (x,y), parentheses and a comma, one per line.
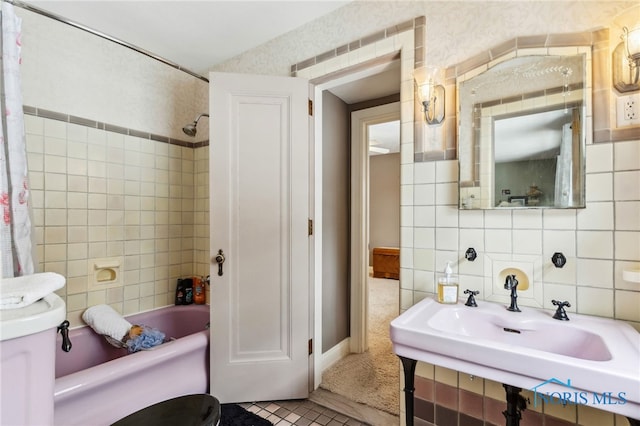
(63,328)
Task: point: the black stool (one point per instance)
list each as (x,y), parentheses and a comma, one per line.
(188,410)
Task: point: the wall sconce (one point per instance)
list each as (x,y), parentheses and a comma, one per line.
(430,93)
(626,61)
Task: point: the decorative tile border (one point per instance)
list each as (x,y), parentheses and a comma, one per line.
(603,129)
(416,24)
(67,118)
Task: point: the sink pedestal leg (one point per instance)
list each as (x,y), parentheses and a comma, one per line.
(515,405)
(409,367)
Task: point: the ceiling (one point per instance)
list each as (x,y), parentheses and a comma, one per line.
(193,34)
(197,35)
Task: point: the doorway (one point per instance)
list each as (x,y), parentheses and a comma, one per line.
(364,121)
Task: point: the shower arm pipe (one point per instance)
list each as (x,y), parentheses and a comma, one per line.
(204,114)
(34,9)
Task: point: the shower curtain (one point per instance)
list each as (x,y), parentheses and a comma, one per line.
(563,191)
(15,223)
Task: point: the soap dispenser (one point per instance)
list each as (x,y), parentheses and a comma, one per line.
(448,286)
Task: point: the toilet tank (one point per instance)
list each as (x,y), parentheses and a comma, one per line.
(27,361)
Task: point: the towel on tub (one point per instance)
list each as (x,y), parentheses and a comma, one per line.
(119,332)
(103,319)
(22,291)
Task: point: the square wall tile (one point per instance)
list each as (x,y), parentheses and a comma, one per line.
(446,376)
(599,187)
(627,245)
(447,193)
(527,241)
(497,240)
(590,416)
(627,304)
(423,259)
(446,171)
(625,185)
(497,219)
(597,215)
(447,238)
(471,218)
(595,301)
(527,219)
(446,216)
(467,382)
(595,244)
(627,215)
(423,216)
(627,155)
(559,241)
(406,195)
(425,172)
(424,238)
(424,194)
(595,273)
(599,158)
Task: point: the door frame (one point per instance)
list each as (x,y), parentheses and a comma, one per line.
(320,84)
(360,121)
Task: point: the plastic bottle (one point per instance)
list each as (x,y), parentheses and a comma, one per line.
(199,296)
(188,291)
(180,292)
(448,286)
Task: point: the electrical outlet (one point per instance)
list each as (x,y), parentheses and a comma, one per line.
(628,110)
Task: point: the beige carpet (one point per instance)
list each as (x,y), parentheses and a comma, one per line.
(372,378)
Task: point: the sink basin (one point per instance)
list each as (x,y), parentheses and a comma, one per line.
(589,355)
(521,331)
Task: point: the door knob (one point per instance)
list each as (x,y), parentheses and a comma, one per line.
(219,258)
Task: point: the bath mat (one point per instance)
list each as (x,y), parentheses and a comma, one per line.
(235,415)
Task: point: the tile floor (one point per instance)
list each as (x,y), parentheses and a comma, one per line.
(300,413)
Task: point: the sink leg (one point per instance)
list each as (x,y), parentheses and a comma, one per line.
(515,405)
(409,367)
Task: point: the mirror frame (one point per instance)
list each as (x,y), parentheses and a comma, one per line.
(469,188)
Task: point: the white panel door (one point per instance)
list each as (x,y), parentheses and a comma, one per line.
(259,190)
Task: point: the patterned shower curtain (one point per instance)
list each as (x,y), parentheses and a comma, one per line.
(15,223)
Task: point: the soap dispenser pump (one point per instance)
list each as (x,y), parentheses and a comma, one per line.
(448,286)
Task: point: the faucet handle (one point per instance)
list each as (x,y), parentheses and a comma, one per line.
(471,300)
(561,314)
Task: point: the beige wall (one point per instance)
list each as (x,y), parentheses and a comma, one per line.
(335,221)
(67,70)
(98,192)
(384,202)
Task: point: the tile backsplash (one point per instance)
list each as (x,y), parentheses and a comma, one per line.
(599,241)
(98,193)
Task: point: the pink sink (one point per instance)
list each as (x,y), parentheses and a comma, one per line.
(597,359)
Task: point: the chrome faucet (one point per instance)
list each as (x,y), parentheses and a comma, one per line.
(511,283)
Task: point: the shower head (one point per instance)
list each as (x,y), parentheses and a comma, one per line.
(190,129)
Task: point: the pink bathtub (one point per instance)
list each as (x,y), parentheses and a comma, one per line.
(98,384)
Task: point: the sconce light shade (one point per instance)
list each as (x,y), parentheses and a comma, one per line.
(430,93)
(626,61)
